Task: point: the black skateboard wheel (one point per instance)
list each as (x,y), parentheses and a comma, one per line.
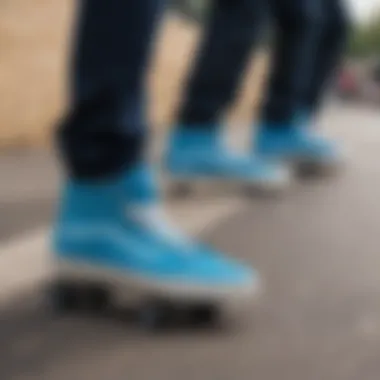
(181,190)
(255,191)
(97,299)
(71,296)
(204,315)
(157,315)
(65,297)
(164,315)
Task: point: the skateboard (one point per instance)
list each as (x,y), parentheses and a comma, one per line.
(182,189)
(150,311)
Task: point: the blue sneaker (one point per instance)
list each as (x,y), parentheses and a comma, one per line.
(115,232)
(200,156)
(297,145)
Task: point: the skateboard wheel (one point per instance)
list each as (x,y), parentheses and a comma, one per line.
(65,297)
(251,191)
(205,315)
(97,299)
(156,315)
(181,189)
(255,191)
(310,169)
(307,169)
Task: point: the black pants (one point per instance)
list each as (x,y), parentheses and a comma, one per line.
(233,29)
(308,38)
(329,52)
(106,125)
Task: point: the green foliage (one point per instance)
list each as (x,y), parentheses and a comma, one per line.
(196,10)
(365,39)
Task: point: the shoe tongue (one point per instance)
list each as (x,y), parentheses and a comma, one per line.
(154,218)
(140,185)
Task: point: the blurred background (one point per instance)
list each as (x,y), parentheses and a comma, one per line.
(317,247)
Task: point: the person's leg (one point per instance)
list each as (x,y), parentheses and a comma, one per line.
(108,227)
(104,130)
(298,31)
(329,53)
(297,27)
(233,28)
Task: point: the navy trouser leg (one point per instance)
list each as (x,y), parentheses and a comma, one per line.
(297,28)
(233,28)
(330,51)
(104,129)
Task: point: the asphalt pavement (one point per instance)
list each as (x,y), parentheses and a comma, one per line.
(317,248)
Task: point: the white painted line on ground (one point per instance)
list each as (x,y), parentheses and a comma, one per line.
(24,260)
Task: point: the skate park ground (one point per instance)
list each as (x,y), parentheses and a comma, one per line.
(316,248)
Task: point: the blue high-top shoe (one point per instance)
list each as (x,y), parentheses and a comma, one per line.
(112,232)
(297,144)
(194,155)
